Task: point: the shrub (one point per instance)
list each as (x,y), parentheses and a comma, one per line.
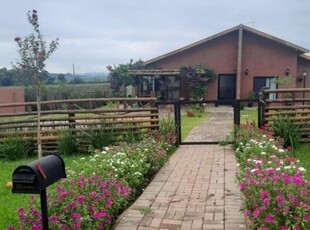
(99,137)
(68,144)
(79,203)
(14,147)
(285,128)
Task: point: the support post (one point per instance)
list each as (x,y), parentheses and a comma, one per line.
(44,209)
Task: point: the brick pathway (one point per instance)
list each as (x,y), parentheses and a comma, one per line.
(196,189)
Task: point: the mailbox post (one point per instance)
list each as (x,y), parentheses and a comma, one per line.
(35,177)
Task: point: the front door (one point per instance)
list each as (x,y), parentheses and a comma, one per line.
(227,86)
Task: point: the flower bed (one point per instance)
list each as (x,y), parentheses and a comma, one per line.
(100,186)
(276,194)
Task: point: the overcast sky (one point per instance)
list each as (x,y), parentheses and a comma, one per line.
(97,33)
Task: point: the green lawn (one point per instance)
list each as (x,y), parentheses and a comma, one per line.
(10,202)
(247,115)
(188,123)
(302,152)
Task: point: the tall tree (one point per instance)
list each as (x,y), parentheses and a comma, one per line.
(33,54)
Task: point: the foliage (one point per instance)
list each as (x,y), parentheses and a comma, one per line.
(14,147)
(119,76)
(198,78)
(251,94)
(285,128)
(33,54)
(67,143)
(99,137)
(276,192)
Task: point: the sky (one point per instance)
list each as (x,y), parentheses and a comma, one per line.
(96,33)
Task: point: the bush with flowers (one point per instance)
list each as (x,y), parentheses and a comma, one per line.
(100,186)
(277,196)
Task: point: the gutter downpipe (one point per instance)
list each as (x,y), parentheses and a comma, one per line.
(239,62)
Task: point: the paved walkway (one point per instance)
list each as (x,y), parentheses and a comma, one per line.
(196,189)
(216,128)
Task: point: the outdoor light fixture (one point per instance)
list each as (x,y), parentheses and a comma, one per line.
(287,71)
(246,71)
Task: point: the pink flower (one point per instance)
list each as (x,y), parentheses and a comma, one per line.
(80,183)
(78,224)
(94,194)
(36,228)
(297,179)
(76,215)
(266,201)
(256,213)
(80,199)
(242,186)
(264,194)
(53,219)
(263,228)
(11,228)
(21,210)
(247,212)
(73,204)
(100,214)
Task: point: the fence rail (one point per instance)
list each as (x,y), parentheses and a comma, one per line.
(123,115)
(288,104)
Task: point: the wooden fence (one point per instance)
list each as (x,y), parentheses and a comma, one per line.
(123,115)
(288,104)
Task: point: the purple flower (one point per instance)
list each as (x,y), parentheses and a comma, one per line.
(256,213)
(36,228)
(78,224)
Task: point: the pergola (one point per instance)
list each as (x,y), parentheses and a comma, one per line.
(162,83)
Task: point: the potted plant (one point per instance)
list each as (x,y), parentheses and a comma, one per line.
(251,95)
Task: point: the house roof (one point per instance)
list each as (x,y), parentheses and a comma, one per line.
(246,28)
(154,72)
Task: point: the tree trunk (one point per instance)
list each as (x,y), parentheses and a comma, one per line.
(39,144)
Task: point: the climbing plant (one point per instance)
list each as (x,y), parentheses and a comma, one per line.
(119,75)
(198,79)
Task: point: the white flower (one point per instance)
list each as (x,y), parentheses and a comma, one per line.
(287,167)
(253,170)
(137,174)
(96,155)
(92,159)
(281,150)
(278,169)
(263,153)
(103,152)
(238,165)
(107,148)
(83,158)
(302,169)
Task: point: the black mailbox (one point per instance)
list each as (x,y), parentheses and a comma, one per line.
(38,175)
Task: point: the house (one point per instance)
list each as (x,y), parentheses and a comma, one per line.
(245,60)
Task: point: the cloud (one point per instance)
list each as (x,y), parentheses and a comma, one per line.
(97,33)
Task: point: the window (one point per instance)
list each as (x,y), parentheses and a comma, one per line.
(264,82)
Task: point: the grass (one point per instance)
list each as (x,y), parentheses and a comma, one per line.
(188,123)
(302,152)
(10,202)
(247,115)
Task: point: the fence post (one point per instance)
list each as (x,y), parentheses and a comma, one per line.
(177,120)
(259,110)
(237,112)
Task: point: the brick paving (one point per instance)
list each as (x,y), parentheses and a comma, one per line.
(196,189)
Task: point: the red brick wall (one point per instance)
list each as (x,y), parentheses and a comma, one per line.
(261,56)
(12,95)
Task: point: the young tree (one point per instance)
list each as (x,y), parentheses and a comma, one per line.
(33,54)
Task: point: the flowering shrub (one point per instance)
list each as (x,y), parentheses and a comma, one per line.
(99,186)
(276,194)
(79,203)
